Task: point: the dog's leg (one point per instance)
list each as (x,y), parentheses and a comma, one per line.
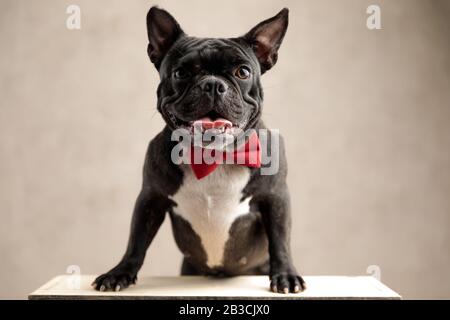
(160,179)
(188,270)
(275,214)
(149,214)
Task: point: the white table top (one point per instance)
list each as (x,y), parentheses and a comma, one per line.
(196,287)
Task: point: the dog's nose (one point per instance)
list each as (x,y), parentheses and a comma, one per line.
(214,86)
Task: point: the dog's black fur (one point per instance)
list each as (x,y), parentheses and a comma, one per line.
(198,78)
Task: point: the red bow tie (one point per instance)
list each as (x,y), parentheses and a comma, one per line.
(248,154)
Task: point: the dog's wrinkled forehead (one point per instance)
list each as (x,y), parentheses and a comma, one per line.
(210,55)
(165,35)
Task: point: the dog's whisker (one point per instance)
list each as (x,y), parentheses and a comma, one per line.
(153,114)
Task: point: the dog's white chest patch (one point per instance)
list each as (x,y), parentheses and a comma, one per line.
(212,204)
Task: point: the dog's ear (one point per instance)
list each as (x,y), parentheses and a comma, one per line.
(266,37)
(163,30)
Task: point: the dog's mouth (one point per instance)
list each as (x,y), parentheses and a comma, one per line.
(211,122)
(220,125)
(211,130)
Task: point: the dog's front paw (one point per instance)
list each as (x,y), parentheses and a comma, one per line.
(114,280)
(287,282)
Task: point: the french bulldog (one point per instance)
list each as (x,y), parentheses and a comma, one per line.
(235,220)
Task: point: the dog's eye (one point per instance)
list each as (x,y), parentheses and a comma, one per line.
(242,72)
(181,73)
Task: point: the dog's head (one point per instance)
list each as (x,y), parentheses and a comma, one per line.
(211,81)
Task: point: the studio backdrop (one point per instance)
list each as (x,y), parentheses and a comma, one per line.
(365,113)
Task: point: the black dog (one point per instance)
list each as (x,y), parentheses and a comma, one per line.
(235,221)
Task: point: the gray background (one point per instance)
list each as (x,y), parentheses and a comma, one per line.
(365,115)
